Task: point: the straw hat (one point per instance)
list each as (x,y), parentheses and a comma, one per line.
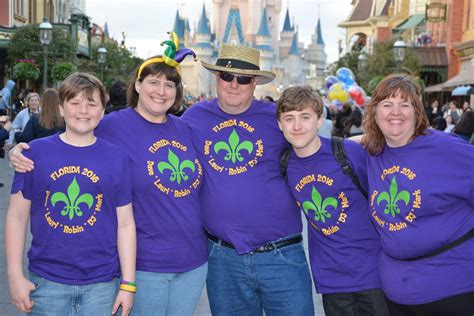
(240,60)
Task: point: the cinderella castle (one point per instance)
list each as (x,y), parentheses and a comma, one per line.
(254,23)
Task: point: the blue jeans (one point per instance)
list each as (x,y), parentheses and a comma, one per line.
(56,299)
(277,282)
(168,293)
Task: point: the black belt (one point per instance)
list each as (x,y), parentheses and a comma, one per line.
(265,248)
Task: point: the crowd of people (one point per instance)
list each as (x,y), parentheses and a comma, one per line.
(389,226)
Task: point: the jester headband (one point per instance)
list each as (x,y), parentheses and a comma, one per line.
(172,57)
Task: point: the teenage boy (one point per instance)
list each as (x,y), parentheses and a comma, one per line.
(79,201)
(343,244)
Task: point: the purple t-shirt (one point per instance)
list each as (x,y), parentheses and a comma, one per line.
(74,194)
(167,179)
(245,199)
(421,198)
(343,244)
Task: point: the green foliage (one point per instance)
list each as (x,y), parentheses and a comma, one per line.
(379,65)
(62,70)
(119,63)
(25,44)
(26,71)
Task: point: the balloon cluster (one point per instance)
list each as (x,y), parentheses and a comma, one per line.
(342,88)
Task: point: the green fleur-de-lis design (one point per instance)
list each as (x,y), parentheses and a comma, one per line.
(176,167)
(393,197)
(318,205)
(72,200)
(233,147)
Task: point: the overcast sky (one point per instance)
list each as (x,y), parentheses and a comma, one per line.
(147,21)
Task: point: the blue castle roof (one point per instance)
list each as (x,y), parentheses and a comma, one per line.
(233,19)
(294,46)
(320,34)
(203,25)
(264,30)
(287,25)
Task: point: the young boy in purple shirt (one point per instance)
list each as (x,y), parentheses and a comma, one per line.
(343,244)
(78,199)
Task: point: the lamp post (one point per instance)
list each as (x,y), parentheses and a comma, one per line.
(46,35)
(101,55)
(399,48)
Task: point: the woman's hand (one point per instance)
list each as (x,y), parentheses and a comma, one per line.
(18,161)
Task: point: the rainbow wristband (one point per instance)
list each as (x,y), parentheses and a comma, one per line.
(128,283)
(128,288)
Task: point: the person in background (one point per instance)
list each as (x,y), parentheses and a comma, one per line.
(465,127)
(32,108)
(434,110)
(353,124)
(6,97)
(78,201)
(449,124)
(325,129)
(421,203)
(454,111)
(268,98)
(5,126)
(341,237)
(466,106)
(48,122)
(439,123)
(117,97)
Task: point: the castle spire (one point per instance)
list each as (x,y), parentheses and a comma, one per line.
(287,25)
(319,33)
(264,30)
(294,46)
(203,25)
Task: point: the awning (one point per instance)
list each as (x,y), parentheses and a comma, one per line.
(462,90)
(435,88)
(465,77)
(411,22)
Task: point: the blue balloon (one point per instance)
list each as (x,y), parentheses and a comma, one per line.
(329,81)
(345,75)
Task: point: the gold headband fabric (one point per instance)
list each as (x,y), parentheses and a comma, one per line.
(148,62)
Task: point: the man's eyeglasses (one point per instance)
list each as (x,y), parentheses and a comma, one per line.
(228,77)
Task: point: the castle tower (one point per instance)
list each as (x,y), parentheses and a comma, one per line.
(286,36)
(179,28)
(315,53)
(199,81)
(293,65)
(264,43)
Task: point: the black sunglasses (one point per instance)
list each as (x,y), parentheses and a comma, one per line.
(228,77)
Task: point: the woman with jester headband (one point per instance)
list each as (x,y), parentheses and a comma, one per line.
(423,210)
(167,177)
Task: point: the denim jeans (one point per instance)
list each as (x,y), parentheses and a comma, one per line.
(368,303)
(277,282)
(168,293)
(56,299)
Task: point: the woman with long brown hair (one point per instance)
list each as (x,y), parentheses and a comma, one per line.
(48,122)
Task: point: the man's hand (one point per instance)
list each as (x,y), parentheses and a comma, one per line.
(124,299)
(20,288)
(18,161)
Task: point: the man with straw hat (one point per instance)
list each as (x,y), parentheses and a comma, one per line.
(256,256)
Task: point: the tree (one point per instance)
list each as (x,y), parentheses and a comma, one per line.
(379,64)
(62,70)
(25,44)
(119,63)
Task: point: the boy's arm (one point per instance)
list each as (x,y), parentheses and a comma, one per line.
(16,223)
(127,249)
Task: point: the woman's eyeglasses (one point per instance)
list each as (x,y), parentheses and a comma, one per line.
(228,77)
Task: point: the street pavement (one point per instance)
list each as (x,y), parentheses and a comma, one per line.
(7,309)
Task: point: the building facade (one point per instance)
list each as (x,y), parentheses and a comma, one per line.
(254,23)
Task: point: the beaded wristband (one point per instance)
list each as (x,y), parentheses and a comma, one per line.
(128,288)
(128,283)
